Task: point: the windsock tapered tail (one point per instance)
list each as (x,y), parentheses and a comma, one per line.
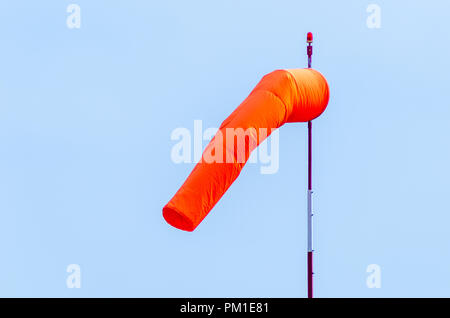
(282,96)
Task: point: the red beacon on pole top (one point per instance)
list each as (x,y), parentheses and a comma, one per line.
(309,49)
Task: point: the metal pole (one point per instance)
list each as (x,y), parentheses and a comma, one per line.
(310,214)
(309,40)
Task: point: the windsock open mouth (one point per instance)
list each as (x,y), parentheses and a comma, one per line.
(282,96)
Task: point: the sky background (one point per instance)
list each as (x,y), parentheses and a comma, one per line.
(85,168)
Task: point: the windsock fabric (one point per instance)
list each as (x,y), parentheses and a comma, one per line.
(282,96)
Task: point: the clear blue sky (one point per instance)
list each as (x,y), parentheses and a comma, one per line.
(85,122)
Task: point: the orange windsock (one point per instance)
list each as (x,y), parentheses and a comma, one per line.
(282,96)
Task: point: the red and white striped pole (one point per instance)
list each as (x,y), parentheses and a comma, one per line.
(309,40)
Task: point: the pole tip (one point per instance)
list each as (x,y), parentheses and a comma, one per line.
(309,37)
